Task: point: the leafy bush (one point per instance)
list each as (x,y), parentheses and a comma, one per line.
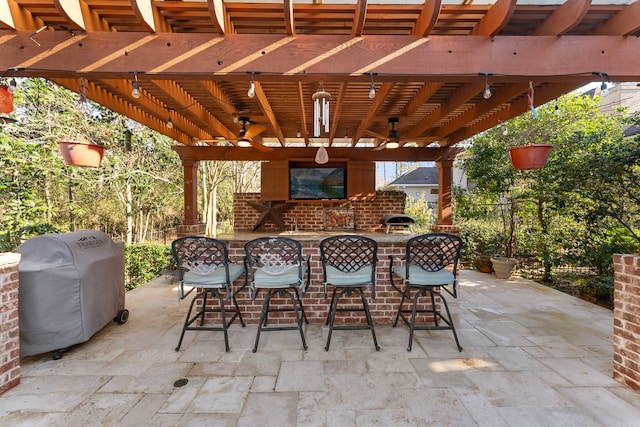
(144,262)
(480,238)
(616,241)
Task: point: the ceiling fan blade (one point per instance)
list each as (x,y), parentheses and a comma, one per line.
(254,130)
(259,146)
(421,139)
(380,147)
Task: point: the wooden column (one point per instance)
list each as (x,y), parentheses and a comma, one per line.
(190,191)
(445,180)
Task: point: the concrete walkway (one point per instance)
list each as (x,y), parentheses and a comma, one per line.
(532,356)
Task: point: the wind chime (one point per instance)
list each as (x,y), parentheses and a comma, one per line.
(321,120)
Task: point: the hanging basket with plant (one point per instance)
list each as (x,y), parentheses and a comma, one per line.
(81,154)
(6,100)
(530,156)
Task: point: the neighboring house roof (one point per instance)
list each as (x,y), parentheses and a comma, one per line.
(418,177)
(631,130)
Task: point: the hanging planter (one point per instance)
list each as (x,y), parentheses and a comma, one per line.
(81,153)
(532,156)
(6,100)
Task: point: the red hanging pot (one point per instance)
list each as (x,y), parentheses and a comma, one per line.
(81,153)
(532,156)
(6,100)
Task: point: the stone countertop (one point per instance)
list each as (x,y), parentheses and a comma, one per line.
(316,236)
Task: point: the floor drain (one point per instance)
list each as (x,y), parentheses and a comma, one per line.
(181,382)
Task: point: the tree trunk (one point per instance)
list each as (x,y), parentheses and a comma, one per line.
(129,212)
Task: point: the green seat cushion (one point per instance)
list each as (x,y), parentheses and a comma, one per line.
(282,279)
(336,277)
(214,278)
(418,276)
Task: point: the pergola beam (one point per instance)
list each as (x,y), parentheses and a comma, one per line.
(438,59)
(405,154)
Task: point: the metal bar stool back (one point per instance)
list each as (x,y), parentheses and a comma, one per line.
(349,266)
(203,264)
(430,264)
(276,265)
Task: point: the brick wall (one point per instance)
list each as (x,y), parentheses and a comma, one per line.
(9,322)
(383,308)
(309,215)
(626,320)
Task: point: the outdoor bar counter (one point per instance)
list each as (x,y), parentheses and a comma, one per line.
(383,308)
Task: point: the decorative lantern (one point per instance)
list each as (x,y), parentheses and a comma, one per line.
(6,100)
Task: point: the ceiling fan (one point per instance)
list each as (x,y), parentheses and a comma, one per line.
(246,135)
(392,140)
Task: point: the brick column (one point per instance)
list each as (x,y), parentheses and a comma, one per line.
(9,324)
(626,320)
(190,230)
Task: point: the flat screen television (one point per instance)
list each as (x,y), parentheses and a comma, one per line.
(317,183)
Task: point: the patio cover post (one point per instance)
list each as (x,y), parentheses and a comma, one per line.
(445,179)
(190,191)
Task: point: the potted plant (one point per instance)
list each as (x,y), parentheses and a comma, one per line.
(504,263)
(81,153)
(530,150)
(531,156)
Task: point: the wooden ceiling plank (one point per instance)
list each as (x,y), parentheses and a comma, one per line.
(427,90)
(563,19)
(303,116)
(543,95)
(499,97)
(218,15)
(428,18)
(337,112)
(110,101)
(462,96)
(189,104)
(268,113)
(413,154)
(624,23)
(17,17)
(369,116)
(495,19)
(359,18)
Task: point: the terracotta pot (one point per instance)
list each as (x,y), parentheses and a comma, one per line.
(6,100)
(532,156)
(81,153)
(483,264)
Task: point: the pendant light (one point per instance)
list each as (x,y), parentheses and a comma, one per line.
(322,156)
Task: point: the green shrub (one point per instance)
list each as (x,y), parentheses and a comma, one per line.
(479,238)
(144,262)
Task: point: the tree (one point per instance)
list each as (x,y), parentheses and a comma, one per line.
(544,199)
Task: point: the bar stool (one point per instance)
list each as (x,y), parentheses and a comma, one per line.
(276,265)
(424,273)
(348,266)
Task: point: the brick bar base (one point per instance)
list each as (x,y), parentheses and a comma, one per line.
(626,320)
(383,308)
(9,322)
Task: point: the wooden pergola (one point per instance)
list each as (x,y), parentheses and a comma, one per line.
(429,63)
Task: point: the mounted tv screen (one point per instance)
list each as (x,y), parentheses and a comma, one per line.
(317,183)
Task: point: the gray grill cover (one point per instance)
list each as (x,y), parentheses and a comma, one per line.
(71,286)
